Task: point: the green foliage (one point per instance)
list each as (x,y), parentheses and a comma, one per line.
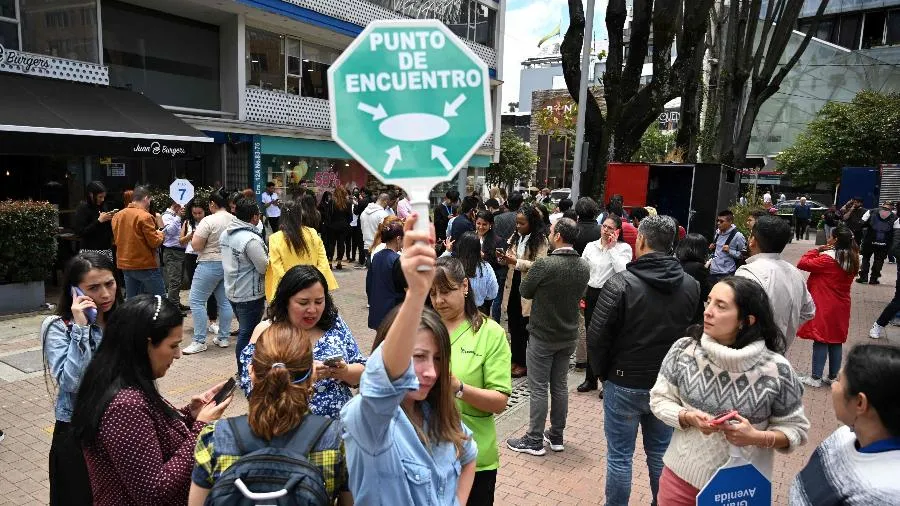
(864,132)
(654,145)
(160,200)
(517,161)
(28,249)
(557,123)
(742,211)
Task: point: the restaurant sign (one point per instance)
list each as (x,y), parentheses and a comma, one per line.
(156,149)
(32,64)
(23,62)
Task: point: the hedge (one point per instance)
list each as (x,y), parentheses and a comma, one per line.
(28,248)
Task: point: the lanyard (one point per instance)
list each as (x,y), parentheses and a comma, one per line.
(885,445)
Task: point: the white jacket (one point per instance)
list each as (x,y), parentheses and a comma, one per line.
(370,220)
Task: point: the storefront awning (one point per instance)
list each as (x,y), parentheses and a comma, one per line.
(49,106)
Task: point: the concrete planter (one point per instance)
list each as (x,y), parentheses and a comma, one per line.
(21,297)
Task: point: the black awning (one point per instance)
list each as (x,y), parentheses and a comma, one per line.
(51,106)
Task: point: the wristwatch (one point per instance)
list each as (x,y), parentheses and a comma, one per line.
(459,393)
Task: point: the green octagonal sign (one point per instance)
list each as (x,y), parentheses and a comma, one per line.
(410,102)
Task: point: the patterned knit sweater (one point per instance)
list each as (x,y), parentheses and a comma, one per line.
(837,473)
(757,382)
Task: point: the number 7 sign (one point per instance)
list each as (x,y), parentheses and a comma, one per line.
(181,191)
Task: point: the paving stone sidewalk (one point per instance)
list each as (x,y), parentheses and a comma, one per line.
(575,476)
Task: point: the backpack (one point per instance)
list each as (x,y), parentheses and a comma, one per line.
(276,472)
(737,261)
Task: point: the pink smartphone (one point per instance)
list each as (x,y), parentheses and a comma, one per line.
(724,418)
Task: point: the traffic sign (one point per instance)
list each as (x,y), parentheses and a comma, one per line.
(410,102)
(181,191)
(737,483)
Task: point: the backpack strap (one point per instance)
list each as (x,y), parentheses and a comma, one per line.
(731,236)
(247,441)
(303,439)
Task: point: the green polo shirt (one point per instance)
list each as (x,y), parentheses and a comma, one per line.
(482,359)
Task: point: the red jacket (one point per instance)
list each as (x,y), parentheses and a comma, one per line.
(829,286)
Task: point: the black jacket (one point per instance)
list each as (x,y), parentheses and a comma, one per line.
(460,226)
(93,234)
(699,272)
(588,231)
(441,218)
(639,314)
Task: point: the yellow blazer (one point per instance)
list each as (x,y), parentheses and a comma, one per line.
(282,257)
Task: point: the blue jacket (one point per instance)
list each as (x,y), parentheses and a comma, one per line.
(68,348)
(802,212)
(385,285)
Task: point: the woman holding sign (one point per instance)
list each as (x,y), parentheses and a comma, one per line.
(728,380)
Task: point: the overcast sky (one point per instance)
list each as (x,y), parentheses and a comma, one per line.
(527,21)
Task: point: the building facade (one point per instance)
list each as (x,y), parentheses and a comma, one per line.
(226,93)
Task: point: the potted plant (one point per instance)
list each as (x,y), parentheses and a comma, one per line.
(27,253)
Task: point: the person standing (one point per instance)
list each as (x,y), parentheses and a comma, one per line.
(354,239)
(482,279)
(272,204)
(479,362)
(526,245)
(783,283)
(767,198)
(371,219)
(295,244)
(442,214)
(691,253)
(563,206)
(891,310)
(385,284)
(137,235)
(404,208)
(555,284)
(832,268)
(465,220)
(339,216)
(173,253)
(504,227)
(879,235)
(852,214)
(727,247)
(91,223)
(831,220)
(606,257)
(198,212)
(802,215)
(209,277)
(641,312)
(244,262)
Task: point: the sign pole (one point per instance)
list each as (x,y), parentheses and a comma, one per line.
(582,102)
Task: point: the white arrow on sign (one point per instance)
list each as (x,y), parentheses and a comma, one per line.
(451,107)
(438,153)
(393,158)
(376,112)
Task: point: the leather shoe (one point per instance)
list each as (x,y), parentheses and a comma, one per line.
(587,386)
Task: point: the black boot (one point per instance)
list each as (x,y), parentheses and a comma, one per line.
(590,381)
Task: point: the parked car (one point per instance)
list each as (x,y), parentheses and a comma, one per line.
(786,210)
(559,194)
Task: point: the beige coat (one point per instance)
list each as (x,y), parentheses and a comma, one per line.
(522,265)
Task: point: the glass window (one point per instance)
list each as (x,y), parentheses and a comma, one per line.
(873,32)
(293,56)
(485,25)
(316,61)
(849,35)
(146,52)
(827,30)
(265,60)
(9,35)
(8,9)
(893,28)
(61,28)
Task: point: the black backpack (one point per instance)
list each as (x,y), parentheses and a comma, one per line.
(273,473)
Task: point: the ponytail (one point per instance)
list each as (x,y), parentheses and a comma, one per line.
(282,381)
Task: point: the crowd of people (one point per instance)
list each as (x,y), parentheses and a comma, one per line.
(678,329)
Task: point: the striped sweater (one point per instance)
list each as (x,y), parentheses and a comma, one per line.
(757,382)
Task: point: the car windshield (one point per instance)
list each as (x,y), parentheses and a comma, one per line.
(559,194)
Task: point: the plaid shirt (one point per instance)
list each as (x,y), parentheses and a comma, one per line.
(328,455)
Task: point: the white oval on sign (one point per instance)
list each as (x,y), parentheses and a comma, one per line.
(414,127)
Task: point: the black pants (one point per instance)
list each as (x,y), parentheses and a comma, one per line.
(518,324)
(212,310)
(69,481)
(892,308)
(880,253)
(590,303)
(337,240)
(273,223)
(483,487)
(325,234)
(800,228)
(357,250)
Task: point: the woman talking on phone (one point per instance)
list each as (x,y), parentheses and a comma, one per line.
(139,449)
(740,347)
(303,301)
(70,339)
(405,442)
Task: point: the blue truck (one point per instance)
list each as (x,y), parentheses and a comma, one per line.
(873,184)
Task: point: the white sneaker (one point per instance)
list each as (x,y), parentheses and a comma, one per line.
(213,328)
(877,331)
(194,347)
(810,381)
(221,343)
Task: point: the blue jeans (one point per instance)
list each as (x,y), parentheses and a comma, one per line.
(209,279)
(497,305)
(624,409)
(149,281)
(248,314)
(821,351)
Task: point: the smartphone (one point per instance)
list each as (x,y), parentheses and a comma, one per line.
(91,312)
(333,360)
(719,420)
(226,391)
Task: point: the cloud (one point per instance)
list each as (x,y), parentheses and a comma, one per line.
(526,22)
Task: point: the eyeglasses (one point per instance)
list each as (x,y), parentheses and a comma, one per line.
(607,227)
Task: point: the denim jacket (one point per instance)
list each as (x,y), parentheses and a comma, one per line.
(68,349)
(386,461)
